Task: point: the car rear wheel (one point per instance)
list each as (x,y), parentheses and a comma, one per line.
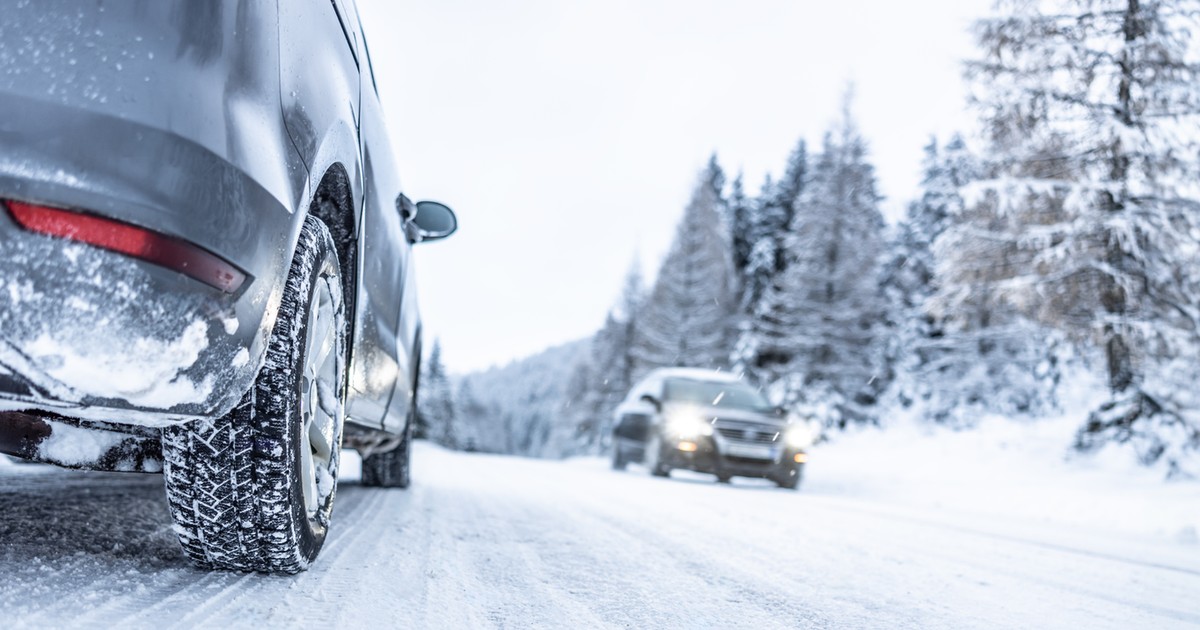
(253,491)
(391,469)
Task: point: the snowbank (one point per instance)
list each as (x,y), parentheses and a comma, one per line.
(1010,470)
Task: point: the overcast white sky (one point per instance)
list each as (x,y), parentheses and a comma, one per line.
(568,134)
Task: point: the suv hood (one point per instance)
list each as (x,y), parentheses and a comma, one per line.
(729,413)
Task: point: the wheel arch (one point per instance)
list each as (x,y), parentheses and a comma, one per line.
(333,203)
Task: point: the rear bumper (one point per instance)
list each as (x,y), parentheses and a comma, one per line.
(60,442)
(87,333)
(92,334)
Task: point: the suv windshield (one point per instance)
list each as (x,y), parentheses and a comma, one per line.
(725,395)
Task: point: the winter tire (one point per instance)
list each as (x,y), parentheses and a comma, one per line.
(393,469)
(654,458)
(390,469)
(253,491)
(618,460)
(790,479)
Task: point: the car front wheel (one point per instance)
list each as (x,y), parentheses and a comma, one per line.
(654,458)
(618,458)
(789,478)
(253,491)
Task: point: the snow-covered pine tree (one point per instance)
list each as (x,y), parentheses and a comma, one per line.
(945,171)
(916,338)
(741,215)
(613,353)
(786,196)
(580,429)
(765,231)
(479,431)
(779,204)
(985,355)
(436,401)
(601,379)
(688,315)
(518,408)
(818,323)
(767,236)
(962,352)
(1090,108)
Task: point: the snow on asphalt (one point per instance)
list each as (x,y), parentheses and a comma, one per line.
(486,541)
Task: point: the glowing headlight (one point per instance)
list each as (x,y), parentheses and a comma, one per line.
(799,436)
(687,424)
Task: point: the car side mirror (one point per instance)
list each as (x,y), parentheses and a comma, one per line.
(430,221)
(654,402)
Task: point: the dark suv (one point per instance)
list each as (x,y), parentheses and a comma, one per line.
(207,265)
(708,422)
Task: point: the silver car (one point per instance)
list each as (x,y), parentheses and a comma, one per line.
(207,261)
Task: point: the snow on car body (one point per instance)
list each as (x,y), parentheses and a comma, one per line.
(195,200)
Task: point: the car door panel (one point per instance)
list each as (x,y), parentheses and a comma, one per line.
(381,374)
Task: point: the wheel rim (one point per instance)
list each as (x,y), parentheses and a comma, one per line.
(319,404)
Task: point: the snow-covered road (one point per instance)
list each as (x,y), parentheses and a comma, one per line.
(485,541)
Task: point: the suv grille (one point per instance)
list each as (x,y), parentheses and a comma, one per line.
(748,433)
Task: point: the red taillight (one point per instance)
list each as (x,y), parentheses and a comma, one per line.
(130,240)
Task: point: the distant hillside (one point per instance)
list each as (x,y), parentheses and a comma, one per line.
(517,408)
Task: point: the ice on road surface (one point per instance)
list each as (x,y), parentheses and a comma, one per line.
(488,541)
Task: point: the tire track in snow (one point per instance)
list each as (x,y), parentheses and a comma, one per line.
(835,543)
(703,569)
(216,589)
(188,589)
(954,546)
(209,609)
(528,550)
(896,546)
(340,568)
(878,512)
(489,561)
(184,588)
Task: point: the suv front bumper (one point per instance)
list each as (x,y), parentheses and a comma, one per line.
(707,457)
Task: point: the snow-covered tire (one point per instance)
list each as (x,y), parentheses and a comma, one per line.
(390,469)
(790,480)
(393,469)
(253,491)
(618,459)
(653,458)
